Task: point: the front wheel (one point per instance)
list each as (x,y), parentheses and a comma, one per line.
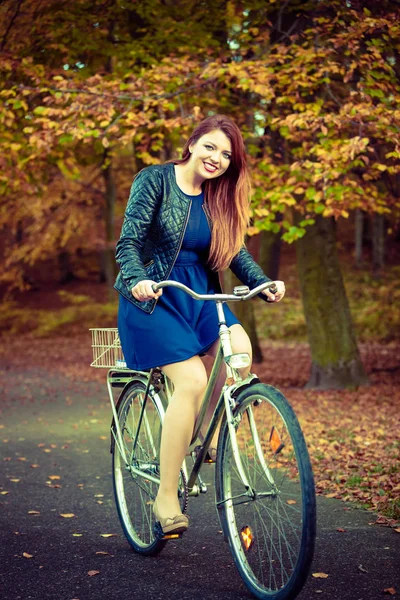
(270,525)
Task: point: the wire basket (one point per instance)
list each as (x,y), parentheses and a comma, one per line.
(107,351)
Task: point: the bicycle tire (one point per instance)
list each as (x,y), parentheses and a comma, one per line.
(134,494)
(271,527)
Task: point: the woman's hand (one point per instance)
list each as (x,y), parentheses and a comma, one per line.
(144,291)
(280,286)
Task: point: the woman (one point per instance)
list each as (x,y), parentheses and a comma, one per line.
(185,220)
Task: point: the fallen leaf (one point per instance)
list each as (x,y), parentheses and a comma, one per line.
(390,591)
(103,553)
(320,575)
(15,480)
(341,529)
(99,495)
(4,493)
(107,535)
(397,529)
(22,458)
(77,534)
(103,437)
(67,515)
(291,502)
(35,466)
(53,477)
(33,512)
(91,573)
(362,569)
(26,555)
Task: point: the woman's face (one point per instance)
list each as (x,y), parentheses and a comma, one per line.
(211,154)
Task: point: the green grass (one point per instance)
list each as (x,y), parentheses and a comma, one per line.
(374,305)
(80,311)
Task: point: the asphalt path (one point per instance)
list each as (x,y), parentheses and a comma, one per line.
(55,461)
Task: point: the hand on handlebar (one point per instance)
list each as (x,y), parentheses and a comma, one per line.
(278,295)
(144,291)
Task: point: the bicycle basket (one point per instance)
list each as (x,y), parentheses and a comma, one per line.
(107,351)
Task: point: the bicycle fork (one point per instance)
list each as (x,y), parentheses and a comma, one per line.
(232,424)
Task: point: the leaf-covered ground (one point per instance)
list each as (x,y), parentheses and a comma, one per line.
(353,435)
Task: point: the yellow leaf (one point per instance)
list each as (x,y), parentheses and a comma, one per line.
(26,555)
(52,477)
(77,534)
(291,502)
(107,535)
(67,515)
(320,575)
(33,512)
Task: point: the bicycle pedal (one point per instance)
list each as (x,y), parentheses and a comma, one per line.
(160,535)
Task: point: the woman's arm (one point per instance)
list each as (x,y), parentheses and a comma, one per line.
(144,200)
(250,273)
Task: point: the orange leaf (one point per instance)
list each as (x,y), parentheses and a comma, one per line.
(52,477)
(26,555)
(390,591)
(291,502)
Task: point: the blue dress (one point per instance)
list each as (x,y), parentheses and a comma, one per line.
(179,327)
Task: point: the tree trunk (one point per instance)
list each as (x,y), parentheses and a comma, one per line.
(270,253)
(336,361)
(108,264)
(244,311)
(64,264)
(359,236)
(378,244)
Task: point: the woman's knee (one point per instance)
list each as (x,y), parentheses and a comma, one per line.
(240,340)
(189,376)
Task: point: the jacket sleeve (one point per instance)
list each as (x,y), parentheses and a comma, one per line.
(247,270)
(144,200)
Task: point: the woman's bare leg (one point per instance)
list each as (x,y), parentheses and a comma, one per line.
(240,343)
(189,379)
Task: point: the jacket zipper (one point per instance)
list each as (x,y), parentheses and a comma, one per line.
(207,215)
(178,250)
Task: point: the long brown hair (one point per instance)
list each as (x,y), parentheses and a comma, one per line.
(227,197)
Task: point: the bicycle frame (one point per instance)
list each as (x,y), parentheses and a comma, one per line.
(225,402)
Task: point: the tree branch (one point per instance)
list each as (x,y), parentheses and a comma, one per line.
(117,96)
(11,23)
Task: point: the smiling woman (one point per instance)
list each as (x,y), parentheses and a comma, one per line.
(185,220)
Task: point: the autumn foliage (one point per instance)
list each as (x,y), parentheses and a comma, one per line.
(91,87)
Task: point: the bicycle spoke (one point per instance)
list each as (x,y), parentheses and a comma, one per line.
(270,539)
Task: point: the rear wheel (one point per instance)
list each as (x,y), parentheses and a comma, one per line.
(140,420)
(271,525)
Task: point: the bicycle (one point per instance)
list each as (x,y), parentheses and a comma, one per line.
(264,485)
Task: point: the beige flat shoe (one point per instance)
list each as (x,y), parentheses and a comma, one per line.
(177,524)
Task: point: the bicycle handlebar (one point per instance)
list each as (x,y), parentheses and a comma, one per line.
(221,297)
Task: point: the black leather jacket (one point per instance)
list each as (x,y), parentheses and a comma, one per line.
(155,221)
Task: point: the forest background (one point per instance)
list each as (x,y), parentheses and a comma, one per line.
(91,92)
